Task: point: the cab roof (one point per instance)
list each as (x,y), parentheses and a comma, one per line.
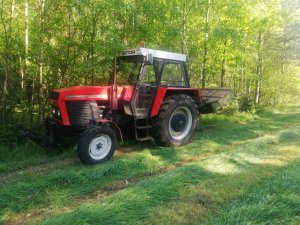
(155,54)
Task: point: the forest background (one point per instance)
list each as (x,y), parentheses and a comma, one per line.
(251,46)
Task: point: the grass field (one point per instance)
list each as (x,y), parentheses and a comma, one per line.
(239,169)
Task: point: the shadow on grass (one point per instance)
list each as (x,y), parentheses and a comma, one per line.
(275,201)
(139,201)
(215,128)
(246,128)
(136,205)
(61,185)
(29,154)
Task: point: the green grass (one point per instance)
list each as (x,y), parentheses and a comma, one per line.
(20,157)
(275,201)
(239,169)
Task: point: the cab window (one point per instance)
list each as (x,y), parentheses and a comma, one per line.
(173,74)
(151,71)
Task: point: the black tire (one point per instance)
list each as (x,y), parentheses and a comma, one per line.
(96,145)
(177,121)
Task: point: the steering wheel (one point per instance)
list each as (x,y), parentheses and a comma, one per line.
(149,84)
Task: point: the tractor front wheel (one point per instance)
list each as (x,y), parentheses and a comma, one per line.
(96,145)
(177,120)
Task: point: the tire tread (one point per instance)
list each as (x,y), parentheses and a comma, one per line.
(84,142)
(170,102)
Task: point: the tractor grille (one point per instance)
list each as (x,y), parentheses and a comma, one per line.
(79,112)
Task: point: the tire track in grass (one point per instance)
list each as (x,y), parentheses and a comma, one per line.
(44,168)
(205,198)
(202,202)
(280,121)
(38,169)
(161,170)
(148,195)
(103,193)
(275,201)
(121,184)
(41,169)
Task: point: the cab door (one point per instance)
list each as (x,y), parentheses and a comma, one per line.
(146,88)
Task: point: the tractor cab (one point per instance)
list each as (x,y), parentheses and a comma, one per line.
(147,70)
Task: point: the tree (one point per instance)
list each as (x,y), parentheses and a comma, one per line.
(248,45)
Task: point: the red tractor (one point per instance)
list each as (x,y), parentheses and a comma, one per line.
(149,92)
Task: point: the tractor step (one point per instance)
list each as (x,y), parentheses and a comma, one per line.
(143,127)
(142,130)
(149,138)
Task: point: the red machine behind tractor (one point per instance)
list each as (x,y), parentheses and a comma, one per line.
(149,91)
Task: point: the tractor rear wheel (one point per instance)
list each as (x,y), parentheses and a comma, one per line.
(177,121)
(96,145)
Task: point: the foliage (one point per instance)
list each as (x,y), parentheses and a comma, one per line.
(249,46)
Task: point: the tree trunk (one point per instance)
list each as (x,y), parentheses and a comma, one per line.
(259,67)
(223,70)
(7,37)
(184,48)
(243,84)
(93,36)
(41,61)
(206,34)
(21,71)
(26,45)
(90,78)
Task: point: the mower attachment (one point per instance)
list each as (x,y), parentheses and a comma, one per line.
(42,140)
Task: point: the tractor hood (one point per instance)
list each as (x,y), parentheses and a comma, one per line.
(90,93)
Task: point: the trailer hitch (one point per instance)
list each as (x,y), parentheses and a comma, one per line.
(45,141)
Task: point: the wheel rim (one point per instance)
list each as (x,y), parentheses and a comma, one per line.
(180,123)
(100,146)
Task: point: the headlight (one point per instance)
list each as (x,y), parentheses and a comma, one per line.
(56,112)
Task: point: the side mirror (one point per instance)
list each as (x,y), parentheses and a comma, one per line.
(149,58)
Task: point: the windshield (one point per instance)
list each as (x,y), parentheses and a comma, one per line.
(128,68)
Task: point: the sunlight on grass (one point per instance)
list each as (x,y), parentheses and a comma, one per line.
(255,152)
(164,190)
(138,200)
(274,202)
(58,186)
(147,184)
(220,165)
